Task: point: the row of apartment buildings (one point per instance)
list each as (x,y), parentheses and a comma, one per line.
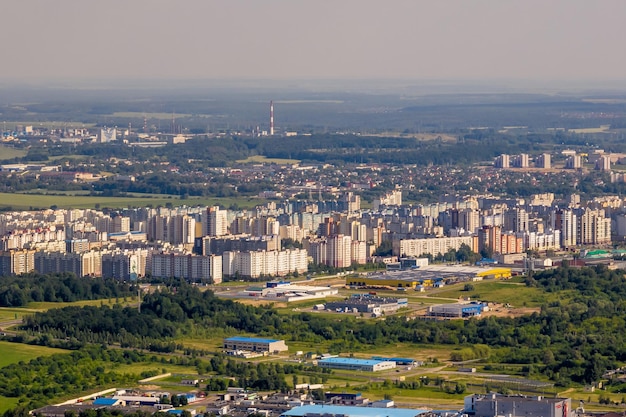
(137,263)
(573,160)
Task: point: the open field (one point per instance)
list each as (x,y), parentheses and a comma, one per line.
(9,313)
(32,201)
(260,159)
(444,137)
(163,116)
(513,293)
(16,352)
(138,368)
(43,305)
(601,129)
(50,124)
(7,403)
(7,152)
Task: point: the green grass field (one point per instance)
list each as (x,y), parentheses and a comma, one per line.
(9,313)
(43,305)
(7,152)
(7,403)
(36,201)
(138,368)
(16,352)
(516,294)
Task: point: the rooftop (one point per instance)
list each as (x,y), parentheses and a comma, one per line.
(250,339)
(348,411)
(351,361)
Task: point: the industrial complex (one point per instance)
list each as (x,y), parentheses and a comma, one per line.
(428,276)
(287,292)
(366,303)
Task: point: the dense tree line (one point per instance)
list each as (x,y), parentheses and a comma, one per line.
(573,340)
(62,374)
(17,291)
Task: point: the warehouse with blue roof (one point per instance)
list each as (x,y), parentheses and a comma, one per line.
(254,344)
(352,364)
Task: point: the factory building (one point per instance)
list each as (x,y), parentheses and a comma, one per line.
(492,405)
(349,411)
(351,364)
(253,344)
(363,303)
(456,311)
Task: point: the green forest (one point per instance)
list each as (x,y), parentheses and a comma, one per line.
(18,291)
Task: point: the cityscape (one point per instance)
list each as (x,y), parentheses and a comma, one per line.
(300,209)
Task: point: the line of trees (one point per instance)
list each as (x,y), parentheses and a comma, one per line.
(18,291)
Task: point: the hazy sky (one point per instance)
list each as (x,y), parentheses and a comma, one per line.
(463,39)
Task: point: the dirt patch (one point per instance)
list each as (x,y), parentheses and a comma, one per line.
(150,387)
(502,311)
(253,302)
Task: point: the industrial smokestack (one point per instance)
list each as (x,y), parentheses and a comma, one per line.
(271,118)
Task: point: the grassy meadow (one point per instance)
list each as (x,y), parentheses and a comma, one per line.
(514,293)
(15,352)
(43,201)
(8,152)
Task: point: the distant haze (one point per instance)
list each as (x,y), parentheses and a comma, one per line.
(560,40)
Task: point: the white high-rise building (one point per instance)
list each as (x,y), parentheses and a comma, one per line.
(594,228)
(196,268)
(573,162)
(503,161)
(264,263)
(568,227)
(216,222)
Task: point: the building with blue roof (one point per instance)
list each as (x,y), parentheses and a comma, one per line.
(348,411)
(106,402)
(352,364)
(254,344)
(398,361)
(458,310)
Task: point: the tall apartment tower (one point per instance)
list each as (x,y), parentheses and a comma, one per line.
(603,163)
(566,222)
(216,222)
(573,162)
(544,161)
(338,251)
(523,160)
(503,161)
